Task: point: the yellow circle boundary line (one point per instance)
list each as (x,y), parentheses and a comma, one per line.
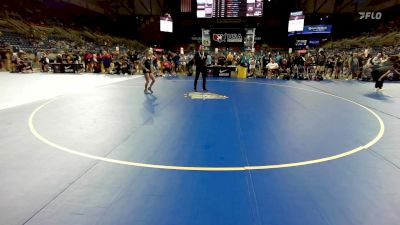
(198,168)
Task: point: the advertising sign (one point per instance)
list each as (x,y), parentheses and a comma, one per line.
(314,42)
(314,29)
(205,37)
(227,37)
(166,24)
(317,29)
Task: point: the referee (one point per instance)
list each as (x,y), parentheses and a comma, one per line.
(200,61)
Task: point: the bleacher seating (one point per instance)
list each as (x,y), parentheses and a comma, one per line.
(386,34)
(53,38)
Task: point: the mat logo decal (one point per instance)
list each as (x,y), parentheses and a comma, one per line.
(204,95)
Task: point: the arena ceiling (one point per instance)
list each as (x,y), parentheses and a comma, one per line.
(122,7)
(157,7)
(344,6)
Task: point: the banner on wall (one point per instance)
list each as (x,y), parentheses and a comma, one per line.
(205,37)
(301,43)
(314,29)
(227,37)
(313,42)
(317,29)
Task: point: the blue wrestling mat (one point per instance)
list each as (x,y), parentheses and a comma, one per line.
(248,152)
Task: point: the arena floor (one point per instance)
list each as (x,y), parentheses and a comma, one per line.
(87,149)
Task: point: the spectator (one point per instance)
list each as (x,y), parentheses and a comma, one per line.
(167,67)
(330,64)
(252,66)
(272,68)
(265,59)
(321,61)
(354,65)
(229,59)
(278,58)
(44,61)
(106,62)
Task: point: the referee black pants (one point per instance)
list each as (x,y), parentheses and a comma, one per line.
(203,75)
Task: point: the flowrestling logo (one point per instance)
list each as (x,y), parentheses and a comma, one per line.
(370,15)
(230,38)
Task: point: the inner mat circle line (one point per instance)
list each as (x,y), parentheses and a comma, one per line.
(200,168)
